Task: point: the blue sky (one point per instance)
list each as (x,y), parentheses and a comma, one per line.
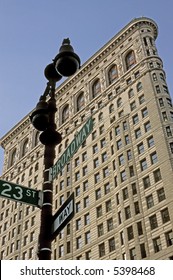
(31,32)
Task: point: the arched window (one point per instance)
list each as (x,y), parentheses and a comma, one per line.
(111,108)
(119,102)
(96,88)
(154,77)
(25,147)
(131,93)
(36,138)
(13,157)
(130,60)
(80,101)
(112,74)
(139,86)
(100,117)
(36,166)
(65,114)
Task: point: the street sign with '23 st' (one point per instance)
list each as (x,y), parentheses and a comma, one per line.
(20,193)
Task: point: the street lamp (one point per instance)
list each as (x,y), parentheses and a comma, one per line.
(66,63)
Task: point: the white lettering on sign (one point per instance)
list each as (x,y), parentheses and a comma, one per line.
(63,216)
(71,149)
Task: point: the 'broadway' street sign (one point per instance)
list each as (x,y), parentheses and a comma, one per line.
(63,216)
(20,193)
(71,149)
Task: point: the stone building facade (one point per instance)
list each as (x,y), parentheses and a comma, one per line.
(121,175)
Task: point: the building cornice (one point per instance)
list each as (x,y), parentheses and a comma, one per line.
(107,48)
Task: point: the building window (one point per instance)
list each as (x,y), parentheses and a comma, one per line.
(13,157)
(157,175)
(139,228)
(144,112)
(80,101)
(111,108)
(134,189)
(132,254)
(153,158)
(161,102)
(143,251)
(150,141)
(25,147)
(119,102)
(132,105)
(101,129)
(135,119)
(97,178)
(171,147)
(85,185)
(77,176)
(99,211)
(78,207)
(154,77)
(95,149)
(112,74)
(130,93)
(143,164)
(79,242)
(87,219)
(104,157)
(140,148)
(96,162)
(169,238)
(103,143)
(150,201)
(87,237)
(65,114)
(85,170)
(129,154)
(111,243)
(146,182)
(168,131)
(153,222)
(119,144)
(108,205)
(61,251)
(141,99)
(158,89)
(164,116)
(101,250)
(147,126)
(107,188)
(161,194)
(165,215)
(127,139)
(136,206)
(109,224)
(138,133)
(117,130)
(100,230)
(130,60)
(96,88)
(127,212)
(139,86)
(88,255)
(123,176)
(130,234)
(157,244)
(86,201)
(125,193)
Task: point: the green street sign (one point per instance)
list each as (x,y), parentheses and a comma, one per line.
(71,149)
(21,194)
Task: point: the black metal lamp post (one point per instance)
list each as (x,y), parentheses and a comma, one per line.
(66,63)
